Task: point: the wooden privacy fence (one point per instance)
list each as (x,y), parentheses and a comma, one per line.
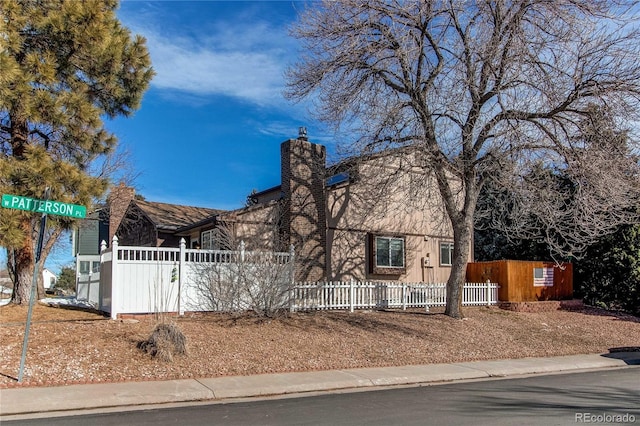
(368,295)
(526,281)
(139,280)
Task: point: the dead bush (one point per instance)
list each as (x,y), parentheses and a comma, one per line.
(165,341)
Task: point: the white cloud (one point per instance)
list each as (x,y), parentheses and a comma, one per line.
(279,128)
(243,59)
(252,76)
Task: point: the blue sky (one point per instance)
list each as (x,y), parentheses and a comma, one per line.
(210,126)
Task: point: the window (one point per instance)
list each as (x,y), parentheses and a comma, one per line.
(389,252)
(387,255)
(213,240)
(446,253)
(208,240)
(89,267)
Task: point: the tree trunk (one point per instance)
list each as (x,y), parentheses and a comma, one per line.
(23,265)
(23,261)
(455,285)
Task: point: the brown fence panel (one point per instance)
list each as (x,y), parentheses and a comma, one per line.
(520,282)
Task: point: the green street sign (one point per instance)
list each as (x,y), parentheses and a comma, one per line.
(43,206)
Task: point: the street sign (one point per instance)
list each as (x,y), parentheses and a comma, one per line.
(43,206)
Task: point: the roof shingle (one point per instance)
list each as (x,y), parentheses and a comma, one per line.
(172,216)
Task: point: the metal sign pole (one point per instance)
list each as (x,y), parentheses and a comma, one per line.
(34,286)
(45,207)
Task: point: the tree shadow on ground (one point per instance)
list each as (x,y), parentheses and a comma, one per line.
(629,354)
(594,311)
(365,321)
(519,396)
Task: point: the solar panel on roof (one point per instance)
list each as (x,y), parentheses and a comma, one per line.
(339,178)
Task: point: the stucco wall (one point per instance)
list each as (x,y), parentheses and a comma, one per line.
(386,196)
(259,227)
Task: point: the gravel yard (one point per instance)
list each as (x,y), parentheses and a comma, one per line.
(69,346)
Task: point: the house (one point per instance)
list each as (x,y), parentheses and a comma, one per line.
(136,222)
(6,286)
(49,279)
(370,218)
(160,224)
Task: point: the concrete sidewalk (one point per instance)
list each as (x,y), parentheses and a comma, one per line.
(101,396)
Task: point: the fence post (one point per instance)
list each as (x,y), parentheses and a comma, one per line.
(115,294)
(428,296)
(351,294)
(404,296)
(103,247)
(487,292)
(292,289)
(181,272)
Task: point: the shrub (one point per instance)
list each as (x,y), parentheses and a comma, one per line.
(165,341)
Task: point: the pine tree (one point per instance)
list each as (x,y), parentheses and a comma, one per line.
(609,273)
(65,64)
(67,278)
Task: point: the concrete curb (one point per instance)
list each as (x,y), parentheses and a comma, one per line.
(106,395)
(101,395)
(283,383)
(503,368)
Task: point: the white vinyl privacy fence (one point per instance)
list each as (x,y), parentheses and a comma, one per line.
(139,280)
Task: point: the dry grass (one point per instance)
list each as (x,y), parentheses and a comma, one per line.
(72,346)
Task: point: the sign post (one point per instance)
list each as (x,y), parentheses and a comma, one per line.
(45,207)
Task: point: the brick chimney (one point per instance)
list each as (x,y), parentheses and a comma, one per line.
(304,215)
(118,201)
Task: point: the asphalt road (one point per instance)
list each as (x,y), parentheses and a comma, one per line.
(596,397)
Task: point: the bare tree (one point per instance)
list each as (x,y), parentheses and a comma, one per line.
(244,275)
(216,277)
(568,209)
(266,279)
(483,89)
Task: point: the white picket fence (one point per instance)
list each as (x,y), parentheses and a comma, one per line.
(370,295)
(139,280)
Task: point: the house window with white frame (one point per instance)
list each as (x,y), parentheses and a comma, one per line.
(389,252)
(446,253)
(210,240)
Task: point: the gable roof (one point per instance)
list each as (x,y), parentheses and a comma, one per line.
(172,217)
